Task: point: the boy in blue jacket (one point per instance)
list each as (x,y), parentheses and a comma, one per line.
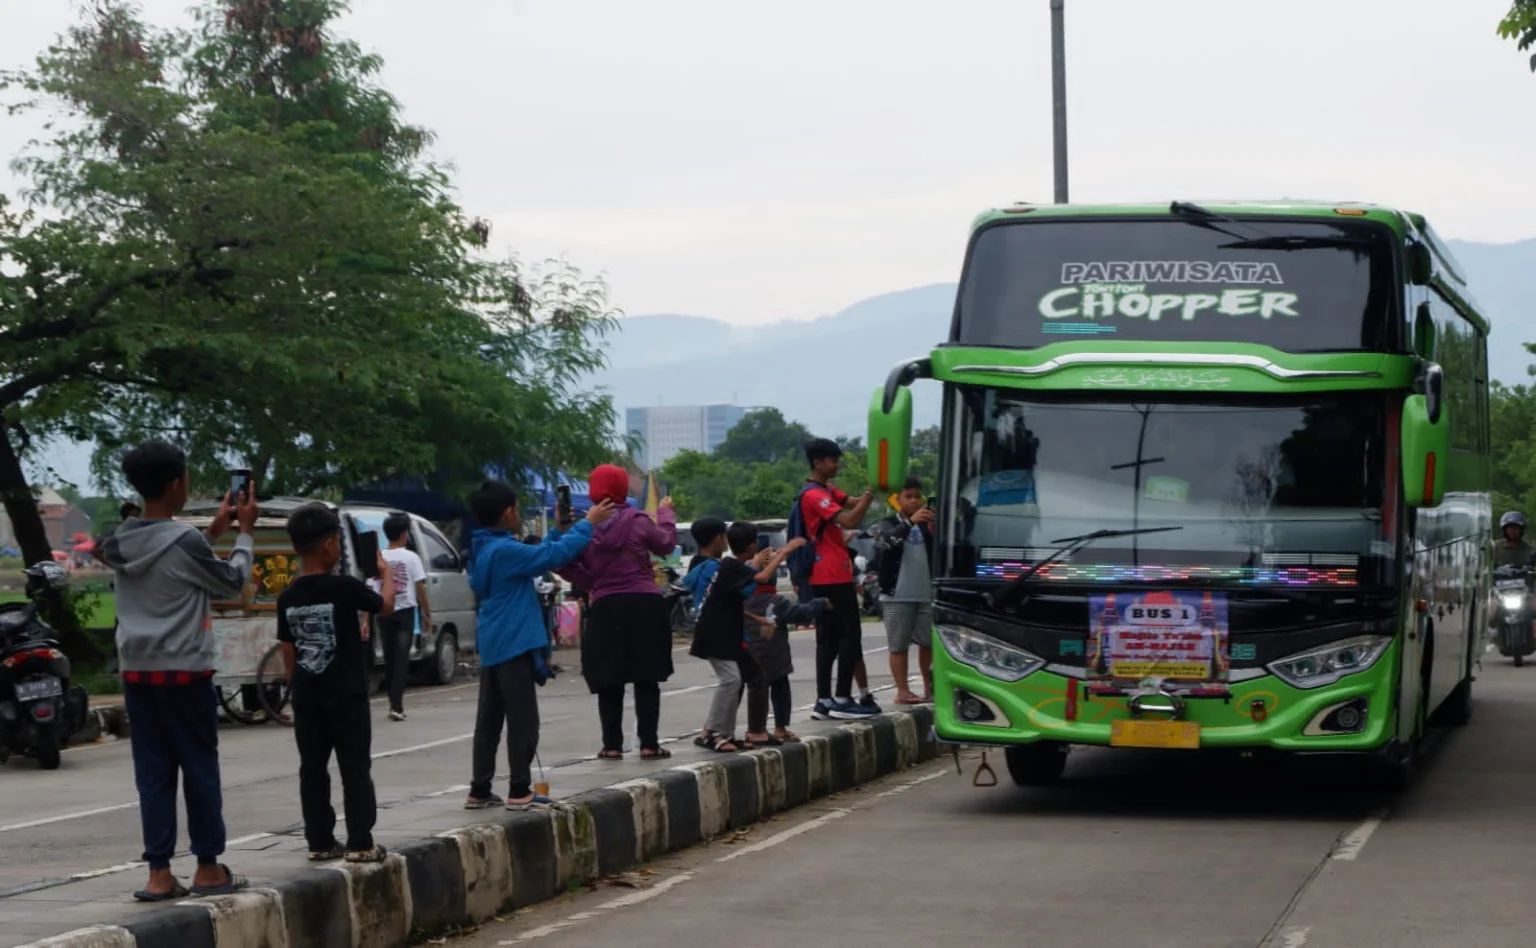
(511,636)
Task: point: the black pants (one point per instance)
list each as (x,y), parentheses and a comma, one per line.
(176,733)
(397,629)
(610,711)
(778,693)
(341,725)
(756,688)
(839,640)
(507,696)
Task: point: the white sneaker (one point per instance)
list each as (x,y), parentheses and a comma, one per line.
(397,715)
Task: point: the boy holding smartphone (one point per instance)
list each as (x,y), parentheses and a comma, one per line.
(906,587)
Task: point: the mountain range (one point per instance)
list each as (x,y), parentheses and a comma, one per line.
(668,359)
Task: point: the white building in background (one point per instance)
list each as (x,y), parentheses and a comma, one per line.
(667,430)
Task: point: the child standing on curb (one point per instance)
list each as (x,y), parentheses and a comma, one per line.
(721,638)
(327,658)
(511,636)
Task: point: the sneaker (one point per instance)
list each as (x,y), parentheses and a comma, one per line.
(326,855)
(375,853)
(538,802)
(868,702)
(822,710)
(397,715)
(483,803)
(846,709)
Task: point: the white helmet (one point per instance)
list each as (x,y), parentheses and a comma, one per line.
(1512,518)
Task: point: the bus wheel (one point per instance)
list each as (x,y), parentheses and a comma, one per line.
(1033,765)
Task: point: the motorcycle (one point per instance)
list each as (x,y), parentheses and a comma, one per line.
(39,708)
(869,587)
(1511,590)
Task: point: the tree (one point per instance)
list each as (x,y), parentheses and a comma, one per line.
(767,495)
(701,485)
(763,437)
(251,255)
(1519,24)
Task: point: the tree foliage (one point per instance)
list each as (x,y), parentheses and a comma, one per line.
(248,250)
(1519,24)
(760,467)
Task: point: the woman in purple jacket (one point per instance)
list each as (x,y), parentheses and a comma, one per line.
(628,638)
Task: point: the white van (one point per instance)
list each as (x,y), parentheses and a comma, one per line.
(434,652)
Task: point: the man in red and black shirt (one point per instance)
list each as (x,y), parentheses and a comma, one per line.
(826,511)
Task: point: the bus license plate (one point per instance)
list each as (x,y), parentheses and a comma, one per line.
(1179,735)
(37,690)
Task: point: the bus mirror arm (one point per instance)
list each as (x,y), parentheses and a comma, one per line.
(1433,382)
(902,376)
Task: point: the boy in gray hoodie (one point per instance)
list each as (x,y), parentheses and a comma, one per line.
(167,577)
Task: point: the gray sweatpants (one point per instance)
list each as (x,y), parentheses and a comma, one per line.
(722,708)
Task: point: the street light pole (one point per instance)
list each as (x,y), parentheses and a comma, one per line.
(1059,95)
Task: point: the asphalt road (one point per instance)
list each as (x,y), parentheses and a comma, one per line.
(81,821)
(1131,849)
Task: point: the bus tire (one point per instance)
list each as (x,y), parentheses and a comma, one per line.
(1034,765)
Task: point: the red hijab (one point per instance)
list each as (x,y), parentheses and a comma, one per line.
(608,482)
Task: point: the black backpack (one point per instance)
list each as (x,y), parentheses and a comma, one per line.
(803,560)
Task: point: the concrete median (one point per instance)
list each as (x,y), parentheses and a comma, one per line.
(466,876)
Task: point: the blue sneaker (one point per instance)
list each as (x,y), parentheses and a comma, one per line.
(868,701)
(846,709)
(821,710)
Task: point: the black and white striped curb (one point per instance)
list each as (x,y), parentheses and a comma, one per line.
(466,876)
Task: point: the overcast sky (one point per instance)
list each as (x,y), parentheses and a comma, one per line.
(756,162)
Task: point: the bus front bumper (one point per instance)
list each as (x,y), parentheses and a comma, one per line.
(1263,713)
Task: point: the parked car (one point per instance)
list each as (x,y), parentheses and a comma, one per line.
(434,652)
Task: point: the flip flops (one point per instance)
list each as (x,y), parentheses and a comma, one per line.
(178,891)
(769,741)
(654,753)
(609,753)
(233,884)
(721,744)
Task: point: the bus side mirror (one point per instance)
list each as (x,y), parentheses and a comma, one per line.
(1426,444)
(890,438)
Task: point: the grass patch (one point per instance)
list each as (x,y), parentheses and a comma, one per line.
(103,614)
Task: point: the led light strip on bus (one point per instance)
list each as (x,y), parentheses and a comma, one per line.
(1114,573)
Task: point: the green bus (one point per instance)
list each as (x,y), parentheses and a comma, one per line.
(1213,477)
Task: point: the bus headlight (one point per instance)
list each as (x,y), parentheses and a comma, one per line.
(991,657)
(1513,602)
(1326,664)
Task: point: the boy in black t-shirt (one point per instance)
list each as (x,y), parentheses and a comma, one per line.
(327,658)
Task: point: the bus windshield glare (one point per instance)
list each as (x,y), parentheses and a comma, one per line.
(1296,285)
(1283,493)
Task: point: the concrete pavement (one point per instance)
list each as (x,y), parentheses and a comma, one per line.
(69,839)
(1132,849)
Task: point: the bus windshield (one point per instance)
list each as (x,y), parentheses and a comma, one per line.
(1296,285)
(1279,493)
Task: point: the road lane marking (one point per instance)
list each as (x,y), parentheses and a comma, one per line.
(624,901)
(903,788)
(787,835)
(1349,847)
(1295,937)
(684,691)
(63,817)
(421,747)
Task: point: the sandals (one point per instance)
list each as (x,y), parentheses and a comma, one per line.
(721,744)
(178,891)
(911,699)
(231,885)
(752,743)
(654,753)
(609,753)
(790,737)
(374,854)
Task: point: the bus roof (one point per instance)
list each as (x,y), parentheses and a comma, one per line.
(1448,271)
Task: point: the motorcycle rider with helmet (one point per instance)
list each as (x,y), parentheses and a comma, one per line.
(1513,552)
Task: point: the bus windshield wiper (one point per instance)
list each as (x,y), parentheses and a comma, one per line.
(1068,545)
(1295,242)
(1204,216)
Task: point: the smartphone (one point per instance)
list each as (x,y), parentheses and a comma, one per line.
(239,484)
(933,503)
(563,504)
(367,544)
